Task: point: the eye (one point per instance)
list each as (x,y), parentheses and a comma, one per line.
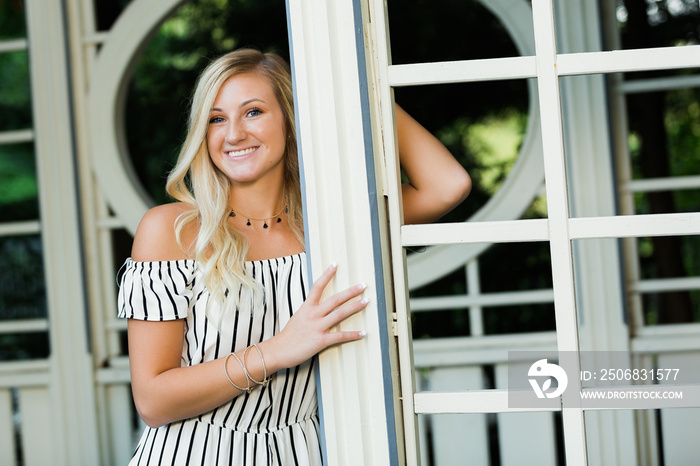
(216,119)
(253,112)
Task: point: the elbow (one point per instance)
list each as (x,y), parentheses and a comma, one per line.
(150,420)
(458,189)
(150,413)
(442,196)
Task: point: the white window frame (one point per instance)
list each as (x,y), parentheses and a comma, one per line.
(559,229)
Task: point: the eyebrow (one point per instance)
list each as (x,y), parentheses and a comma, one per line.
(254,99)
(243,104)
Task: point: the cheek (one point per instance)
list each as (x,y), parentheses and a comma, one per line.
(277,134)
(213,140)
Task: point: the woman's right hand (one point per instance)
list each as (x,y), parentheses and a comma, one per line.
(308,330)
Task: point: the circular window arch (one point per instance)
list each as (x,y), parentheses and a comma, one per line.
(525,178)
(108,88)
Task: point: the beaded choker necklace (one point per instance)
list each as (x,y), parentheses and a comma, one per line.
(264,220)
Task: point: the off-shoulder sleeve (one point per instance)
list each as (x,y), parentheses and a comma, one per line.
(156,291)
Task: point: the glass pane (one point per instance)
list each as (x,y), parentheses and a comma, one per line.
(445,30)
(663,436)
(15,98)
(668,257)
(659,23)
(664,141)
(502,268)
(22,290)
(516,267)
(677,427)
(483,126)
(672,307)
(24,346)
(491,439)
(121,247)
(106,13)
(12,24)
(18,184)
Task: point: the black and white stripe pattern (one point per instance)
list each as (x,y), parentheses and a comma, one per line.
(273,425)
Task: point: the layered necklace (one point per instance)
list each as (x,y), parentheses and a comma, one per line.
(284,209)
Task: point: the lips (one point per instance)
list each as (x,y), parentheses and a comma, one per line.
(242,152)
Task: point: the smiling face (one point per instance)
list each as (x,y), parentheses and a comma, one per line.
(246,136)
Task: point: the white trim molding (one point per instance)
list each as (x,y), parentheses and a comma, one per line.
(356,392)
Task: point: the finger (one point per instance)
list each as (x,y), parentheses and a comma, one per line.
(320,284)
(345,311)
(342,297)
(344,336)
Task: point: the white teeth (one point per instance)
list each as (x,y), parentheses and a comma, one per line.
(238,153)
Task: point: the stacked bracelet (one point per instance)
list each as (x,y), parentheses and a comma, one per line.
(265,379)
(248,388)
(249,379)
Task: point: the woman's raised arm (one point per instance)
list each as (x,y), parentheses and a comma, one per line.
(437,183)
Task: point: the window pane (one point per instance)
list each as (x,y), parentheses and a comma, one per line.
(491,439)
(12,24)
(106,13)
(15,99)
(18,185)
(24,346)
(441,30)
(22,291)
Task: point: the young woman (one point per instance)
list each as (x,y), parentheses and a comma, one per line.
(222,323)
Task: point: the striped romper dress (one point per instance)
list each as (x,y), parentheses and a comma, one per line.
(273,425)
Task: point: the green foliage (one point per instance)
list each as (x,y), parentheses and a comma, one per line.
(18,184)
(495,141)
(15,100)
(682,121)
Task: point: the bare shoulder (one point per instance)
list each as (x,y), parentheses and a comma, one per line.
(155,236)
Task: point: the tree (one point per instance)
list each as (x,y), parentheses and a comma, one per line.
(656,24)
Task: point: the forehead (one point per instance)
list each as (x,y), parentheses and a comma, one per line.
(245,86)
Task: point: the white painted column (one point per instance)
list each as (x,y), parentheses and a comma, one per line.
(342,212)
(70,418)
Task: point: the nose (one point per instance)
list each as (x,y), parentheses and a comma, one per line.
(236,132)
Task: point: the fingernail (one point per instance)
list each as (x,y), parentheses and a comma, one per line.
(362,333)
(364,300)
(334,265)
(362,286)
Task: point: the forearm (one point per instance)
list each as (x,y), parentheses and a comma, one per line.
(185,392)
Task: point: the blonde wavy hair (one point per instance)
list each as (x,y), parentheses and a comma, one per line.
(195,180)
